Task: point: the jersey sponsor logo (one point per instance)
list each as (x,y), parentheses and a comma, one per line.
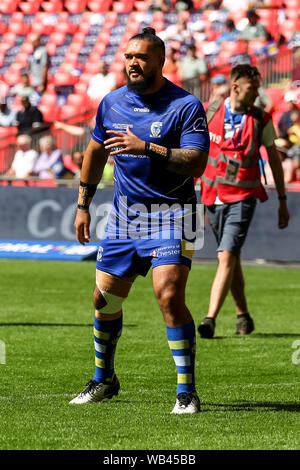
(156,129)
(141,110)
(200,124)
(121,127)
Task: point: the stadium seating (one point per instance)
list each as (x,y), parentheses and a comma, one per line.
(77,33)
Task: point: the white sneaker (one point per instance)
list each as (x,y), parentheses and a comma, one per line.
(95,392)
(186,403)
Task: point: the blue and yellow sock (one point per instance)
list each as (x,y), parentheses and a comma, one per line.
(182,342)
(106,336)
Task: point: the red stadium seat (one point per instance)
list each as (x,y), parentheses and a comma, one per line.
(26,48)
(12,78)
(91,67)
(9,38)
(80,88)
(64,78)
(140,5)
(8,6)
(19,28)
(3,28)
(235,47)
(71,58)
(122,7)
(29,8)
(3,89)
(49,99)
(79,38)
(55,6)
(75,6)
(68,111)
(57,38)
(22,58)
(85,78)
(51,48)
(50,113)
(99,6)
(289,27)
(81,102)
(66,28)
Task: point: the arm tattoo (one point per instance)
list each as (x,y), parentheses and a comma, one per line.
(186,161)
(190,162)
(86,193)
(157,151)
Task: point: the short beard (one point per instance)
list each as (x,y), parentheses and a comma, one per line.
(141,86)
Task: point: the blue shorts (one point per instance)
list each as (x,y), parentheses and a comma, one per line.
(230,223)
(128,257)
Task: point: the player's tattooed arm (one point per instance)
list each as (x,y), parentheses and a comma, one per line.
(191,162)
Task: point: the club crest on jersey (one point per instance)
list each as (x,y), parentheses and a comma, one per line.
(100,252)
(155,129)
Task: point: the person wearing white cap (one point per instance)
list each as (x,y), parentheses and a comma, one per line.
(285,121)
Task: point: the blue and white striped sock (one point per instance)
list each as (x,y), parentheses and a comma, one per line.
(106,336)
(182,342)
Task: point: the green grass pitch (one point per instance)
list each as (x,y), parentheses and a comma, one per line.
(248,386)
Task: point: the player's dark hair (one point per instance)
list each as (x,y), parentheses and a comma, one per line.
(150,35)
(244,70)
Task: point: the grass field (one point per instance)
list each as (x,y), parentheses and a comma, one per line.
(249,386)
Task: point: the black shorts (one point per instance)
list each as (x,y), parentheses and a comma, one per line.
(230,223)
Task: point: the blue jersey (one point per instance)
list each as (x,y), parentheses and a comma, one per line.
(173,118)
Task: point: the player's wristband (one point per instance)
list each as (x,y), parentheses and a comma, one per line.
(282,198)
(86,194)
(157,151)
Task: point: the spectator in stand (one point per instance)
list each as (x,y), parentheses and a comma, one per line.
(263,101)
(230,32)
(25,89)
(101,83)
(296,67)
(24,159)
(181,5)
(30,119)
(212,4)
(108,173)
(220,88)
(254,29)
(286,163)
(50,162)
(160,5)
(7,115)
(39,65)
(294,138)
(180,31)
(77,159)
(285,121)
(171,66)
(232,5)
(192,66)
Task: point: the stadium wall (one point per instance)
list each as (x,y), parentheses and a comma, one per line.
(43,214)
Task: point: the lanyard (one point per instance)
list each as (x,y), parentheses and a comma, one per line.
(237,140)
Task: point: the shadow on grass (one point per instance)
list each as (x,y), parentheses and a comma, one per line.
(250,406)
(57,324)
(257,335)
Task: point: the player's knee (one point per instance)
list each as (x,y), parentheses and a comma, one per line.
(169,298)
(107,303)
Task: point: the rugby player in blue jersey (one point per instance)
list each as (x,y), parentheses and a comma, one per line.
(157,134)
